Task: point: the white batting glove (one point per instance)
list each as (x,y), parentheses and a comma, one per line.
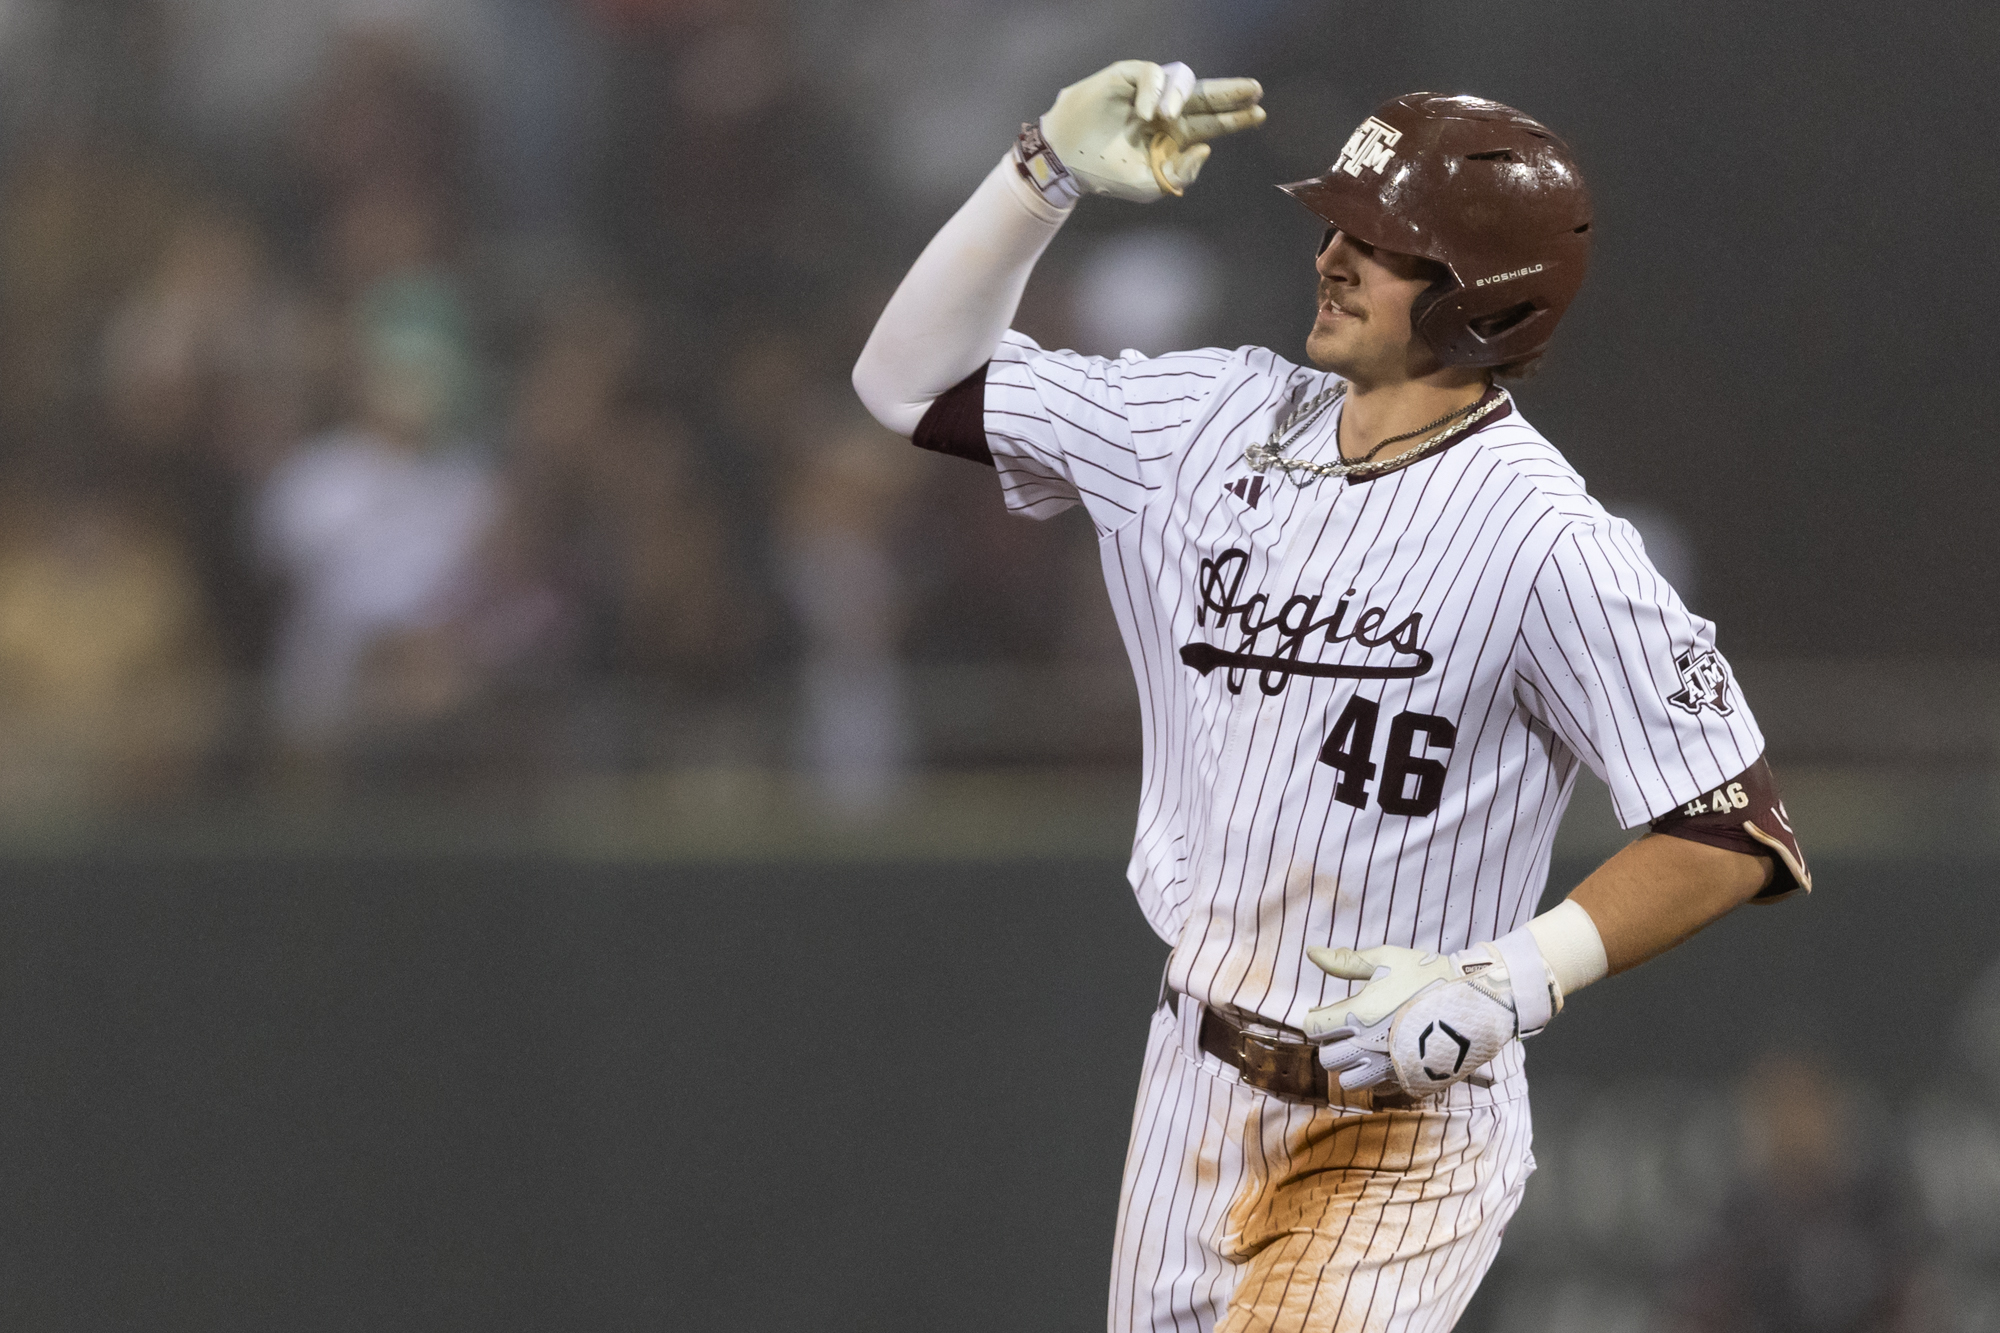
(1136,130)
(1425,1021)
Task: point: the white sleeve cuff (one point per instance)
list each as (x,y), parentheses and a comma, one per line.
(1570,945)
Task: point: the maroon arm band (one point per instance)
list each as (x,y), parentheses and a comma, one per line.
(955,422)
(1745,814)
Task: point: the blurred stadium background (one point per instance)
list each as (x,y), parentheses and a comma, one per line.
(522,808)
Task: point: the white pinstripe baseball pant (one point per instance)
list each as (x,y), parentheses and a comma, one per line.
(1244,1211)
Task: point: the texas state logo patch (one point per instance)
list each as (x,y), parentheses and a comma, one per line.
(1704,683)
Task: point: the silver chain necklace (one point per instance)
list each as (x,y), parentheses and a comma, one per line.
(1271,454)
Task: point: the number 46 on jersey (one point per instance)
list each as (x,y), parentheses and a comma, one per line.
(1348,749)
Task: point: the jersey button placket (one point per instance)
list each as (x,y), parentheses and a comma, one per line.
(1239,717)
(1239,710)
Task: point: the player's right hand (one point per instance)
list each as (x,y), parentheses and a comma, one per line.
(1136,130)
(1354,1034)
(1423,1021)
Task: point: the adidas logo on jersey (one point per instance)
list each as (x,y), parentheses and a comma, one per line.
(1249,490)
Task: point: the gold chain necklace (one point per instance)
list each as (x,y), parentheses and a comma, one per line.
(1271,454)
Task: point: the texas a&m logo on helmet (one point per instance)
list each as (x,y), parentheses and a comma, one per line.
(1369,148)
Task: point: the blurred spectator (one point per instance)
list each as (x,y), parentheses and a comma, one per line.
(212,368)
(740,194)
(1149,290)
(986,585)
(387,151)
(80,223)
(377,529)
(108,686)
(383,109)
(210,353)
(1955,1139)
(844,493)
(383,229)
(608,497)
(1815,1237)
(640,16)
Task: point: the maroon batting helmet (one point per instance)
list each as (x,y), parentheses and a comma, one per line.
(1491,194)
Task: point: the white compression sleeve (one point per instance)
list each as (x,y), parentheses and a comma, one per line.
(946,318)
(1570,945)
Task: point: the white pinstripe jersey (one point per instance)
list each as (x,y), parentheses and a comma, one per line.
(1364,702)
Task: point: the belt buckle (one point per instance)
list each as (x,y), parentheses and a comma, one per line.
(1261,1058)
(1289,1068)
(1284,1067)
(1293,1069)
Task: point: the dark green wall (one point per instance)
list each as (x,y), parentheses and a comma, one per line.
(449,1095)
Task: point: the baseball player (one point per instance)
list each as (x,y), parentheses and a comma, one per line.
(1378,625)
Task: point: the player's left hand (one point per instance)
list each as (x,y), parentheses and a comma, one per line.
(1139,131)
(1423,1020)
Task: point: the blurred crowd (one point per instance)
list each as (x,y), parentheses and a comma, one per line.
(452,395)
(1804,1190)
(1787,1199)
(400,418)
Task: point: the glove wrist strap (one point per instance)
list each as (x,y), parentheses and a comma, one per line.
(1038,164)
(1536,999)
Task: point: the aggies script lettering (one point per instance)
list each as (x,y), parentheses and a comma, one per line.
(1220,581)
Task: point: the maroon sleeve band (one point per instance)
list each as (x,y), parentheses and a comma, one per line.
(955,422)
(1746,814)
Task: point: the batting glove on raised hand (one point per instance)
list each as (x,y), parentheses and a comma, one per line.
(1140,131)
(1423,1020)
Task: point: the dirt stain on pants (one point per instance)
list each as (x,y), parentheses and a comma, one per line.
(1256,1214)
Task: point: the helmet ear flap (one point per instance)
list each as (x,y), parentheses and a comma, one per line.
(1468,327)
(1459,334)
(1443,285)
(1487,328)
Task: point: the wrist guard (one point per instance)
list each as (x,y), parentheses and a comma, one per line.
(1038,164)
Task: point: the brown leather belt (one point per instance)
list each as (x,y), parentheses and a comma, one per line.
(1287,1067)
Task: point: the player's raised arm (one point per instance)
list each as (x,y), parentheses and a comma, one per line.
(1134,130)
